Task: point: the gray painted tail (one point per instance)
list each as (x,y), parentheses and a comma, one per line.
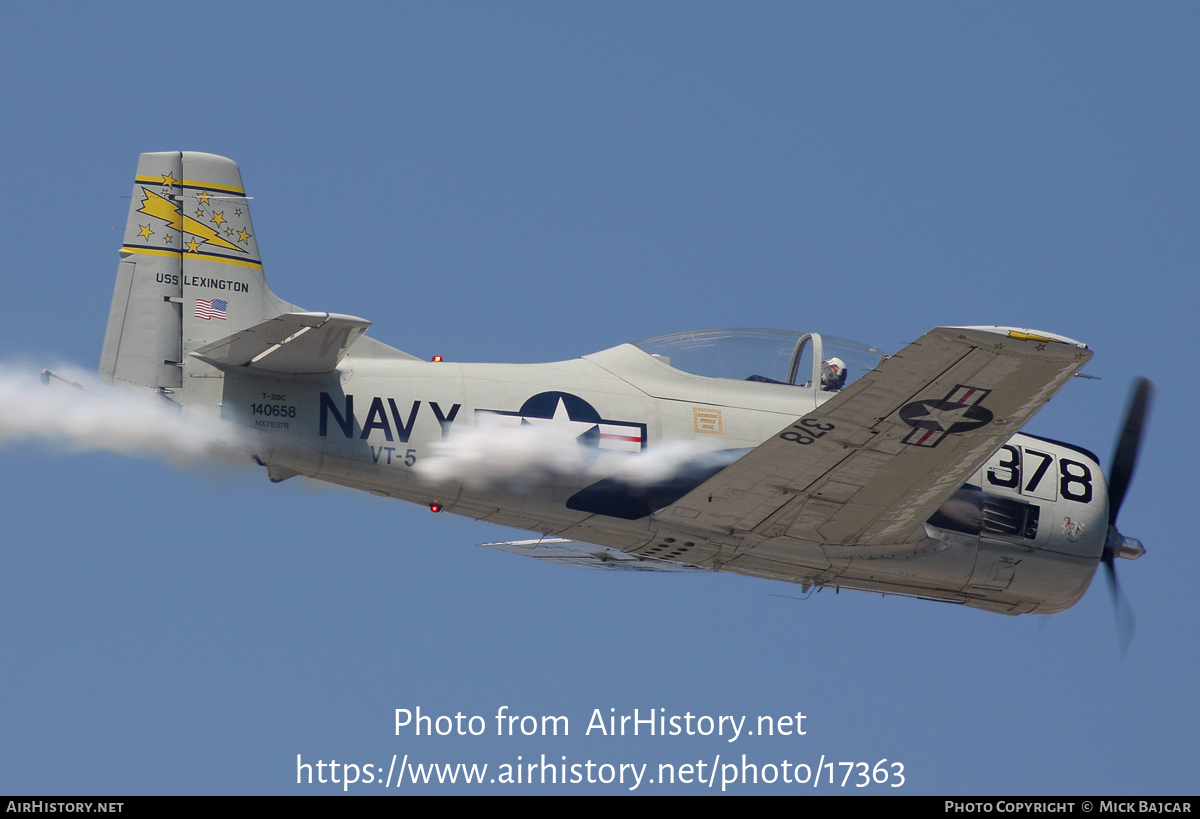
(190,273)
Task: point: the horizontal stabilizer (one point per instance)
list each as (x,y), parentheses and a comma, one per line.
(291,343)
(588,556)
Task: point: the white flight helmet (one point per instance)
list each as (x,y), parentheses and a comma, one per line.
(833,374)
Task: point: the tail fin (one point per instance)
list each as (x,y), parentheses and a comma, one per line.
(189,274)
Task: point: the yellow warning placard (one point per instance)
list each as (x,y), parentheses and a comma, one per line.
(707,421)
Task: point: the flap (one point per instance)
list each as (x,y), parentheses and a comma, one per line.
(874,462)
(291,343)
(588,556)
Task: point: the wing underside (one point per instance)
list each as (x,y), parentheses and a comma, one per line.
(588,556)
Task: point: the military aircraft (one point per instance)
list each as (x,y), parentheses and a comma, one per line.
(794,456)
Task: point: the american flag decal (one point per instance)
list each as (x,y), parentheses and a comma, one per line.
(214,309)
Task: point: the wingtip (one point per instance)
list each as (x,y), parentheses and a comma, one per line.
(1022,339)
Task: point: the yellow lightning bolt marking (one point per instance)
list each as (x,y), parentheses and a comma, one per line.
(204,197)
(218,219)
(1028,336)
(161,208)
(145,232)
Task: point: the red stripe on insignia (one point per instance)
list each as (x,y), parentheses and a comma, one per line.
(923,438)
(963,400)
(608,436)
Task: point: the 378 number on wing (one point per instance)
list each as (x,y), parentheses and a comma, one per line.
(806,432)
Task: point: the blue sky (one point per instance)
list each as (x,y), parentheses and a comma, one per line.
(531,182)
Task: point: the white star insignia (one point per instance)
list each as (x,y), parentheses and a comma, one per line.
(944,418)
(561,425)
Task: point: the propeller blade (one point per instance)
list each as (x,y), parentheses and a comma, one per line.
(1121,608)
(1125,456)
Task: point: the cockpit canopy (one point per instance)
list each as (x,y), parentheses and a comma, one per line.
(775,356)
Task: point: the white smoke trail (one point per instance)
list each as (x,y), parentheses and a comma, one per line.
(520,457)
(92,415)
(487,454)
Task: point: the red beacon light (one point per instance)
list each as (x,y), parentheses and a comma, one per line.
(436,359)
(435,507)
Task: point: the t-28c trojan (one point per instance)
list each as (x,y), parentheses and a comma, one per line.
(774,454)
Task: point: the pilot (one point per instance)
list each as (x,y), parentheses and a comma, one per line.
(833,374)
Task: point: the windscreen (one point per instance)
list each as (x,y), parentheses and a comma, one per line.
(754,354)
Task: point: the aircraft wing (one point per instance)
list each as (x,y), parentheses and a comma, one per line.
(291,343)
(875,461)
